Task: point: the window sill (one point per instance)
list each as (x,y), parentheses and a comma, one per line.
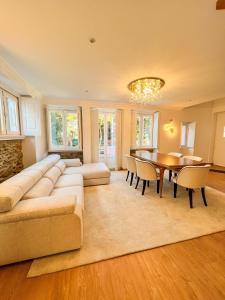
(11,137)
(186,147)
(65,150)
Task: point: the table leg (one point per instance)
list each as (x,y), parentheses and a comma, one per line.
(162,170)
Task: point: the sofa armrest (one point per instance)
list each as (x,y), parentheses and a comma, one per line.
(40,208)
(72,162)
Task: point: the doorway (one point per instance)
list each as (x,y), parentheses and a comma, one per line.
(219,146)
(107,138)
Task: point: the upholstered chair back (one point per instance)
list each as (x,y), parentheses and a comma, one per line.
(139,152)
(145,170)
(177,154)
(131,165)
(196,158)
(193,176)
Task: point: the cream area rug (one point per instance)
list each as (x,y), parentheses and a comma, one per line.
(118,221)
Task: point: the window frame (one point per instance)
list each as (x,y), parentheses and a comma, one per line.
(5,132)
(64,110)
(187,125)
(141,116)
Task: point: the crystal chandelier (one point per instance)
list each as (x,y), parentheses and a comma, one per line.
(145,90)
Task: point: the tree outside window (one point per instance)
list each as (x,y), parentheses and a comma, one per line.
(64,129)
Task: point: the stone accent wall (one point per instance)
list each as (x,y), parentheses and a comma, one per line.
(70,154)
(11,158)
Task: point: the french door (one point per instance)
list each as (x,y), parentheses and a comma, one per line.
(107,138)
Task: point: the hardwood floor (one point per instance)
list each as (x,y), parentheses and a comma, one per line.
(216,181)
(193,269)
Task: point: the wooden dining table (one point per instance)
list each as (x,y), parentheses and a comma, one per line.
(166,162)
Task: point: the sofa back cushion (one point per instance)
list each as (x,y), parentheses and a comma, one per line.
(53,174)
(45,164)
(61,165)
(53,158)
(13,189)
(9,196)
(42,188)
(42,166)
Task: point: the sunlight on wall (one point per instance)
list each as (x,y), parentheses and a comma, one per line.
(170,128)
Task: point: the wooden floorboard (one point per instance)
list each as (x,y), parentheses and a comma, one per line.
(193,269)
(216,181)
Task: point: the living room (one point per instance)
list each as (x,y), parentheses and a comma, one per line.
(112,142)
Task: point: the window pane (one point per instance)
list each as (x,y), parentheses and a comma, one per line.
(147,131)
(111,134)
(56,119)
(138,130)
(101,128)
(72,130)
(12,115)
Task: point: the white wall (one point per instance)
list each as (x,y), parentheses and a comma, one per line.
(41,149)
(167,142)
(28,149)
(219,148)
(202,114)
(33,147)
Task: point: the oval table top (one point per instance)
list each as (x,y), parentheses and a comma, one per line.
(167,161)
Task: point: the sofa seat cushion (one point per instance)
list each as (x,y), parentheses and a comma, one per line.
(41,189)
(53,174)
(42,207)
(90,171)
(69,180)
(77,191)
(61,165)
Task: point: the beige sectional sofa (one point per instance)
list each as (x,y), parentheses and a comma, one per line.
(41,208)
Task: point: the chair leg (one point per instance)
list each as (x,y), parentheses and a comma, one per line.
(170,175)
(144,185)
(203,196)
(158,185)
(128,172)
(175,190)
(131,180)
(138,178)
(190,197)
(148,183)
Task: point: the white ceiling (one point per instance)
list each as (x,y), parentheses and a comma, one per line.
(47,42)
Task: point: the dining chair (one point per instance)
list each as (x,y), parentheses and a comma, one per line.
(176,154)
(191,157)
(192,177)
(131,167)
(146,172)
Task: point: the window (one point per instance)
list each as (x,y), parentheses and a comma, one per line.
(188,134)
(64,128)
(9,114)
(146,130)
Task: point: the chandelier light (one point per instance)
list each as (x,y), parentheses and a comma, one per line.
(145,90)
